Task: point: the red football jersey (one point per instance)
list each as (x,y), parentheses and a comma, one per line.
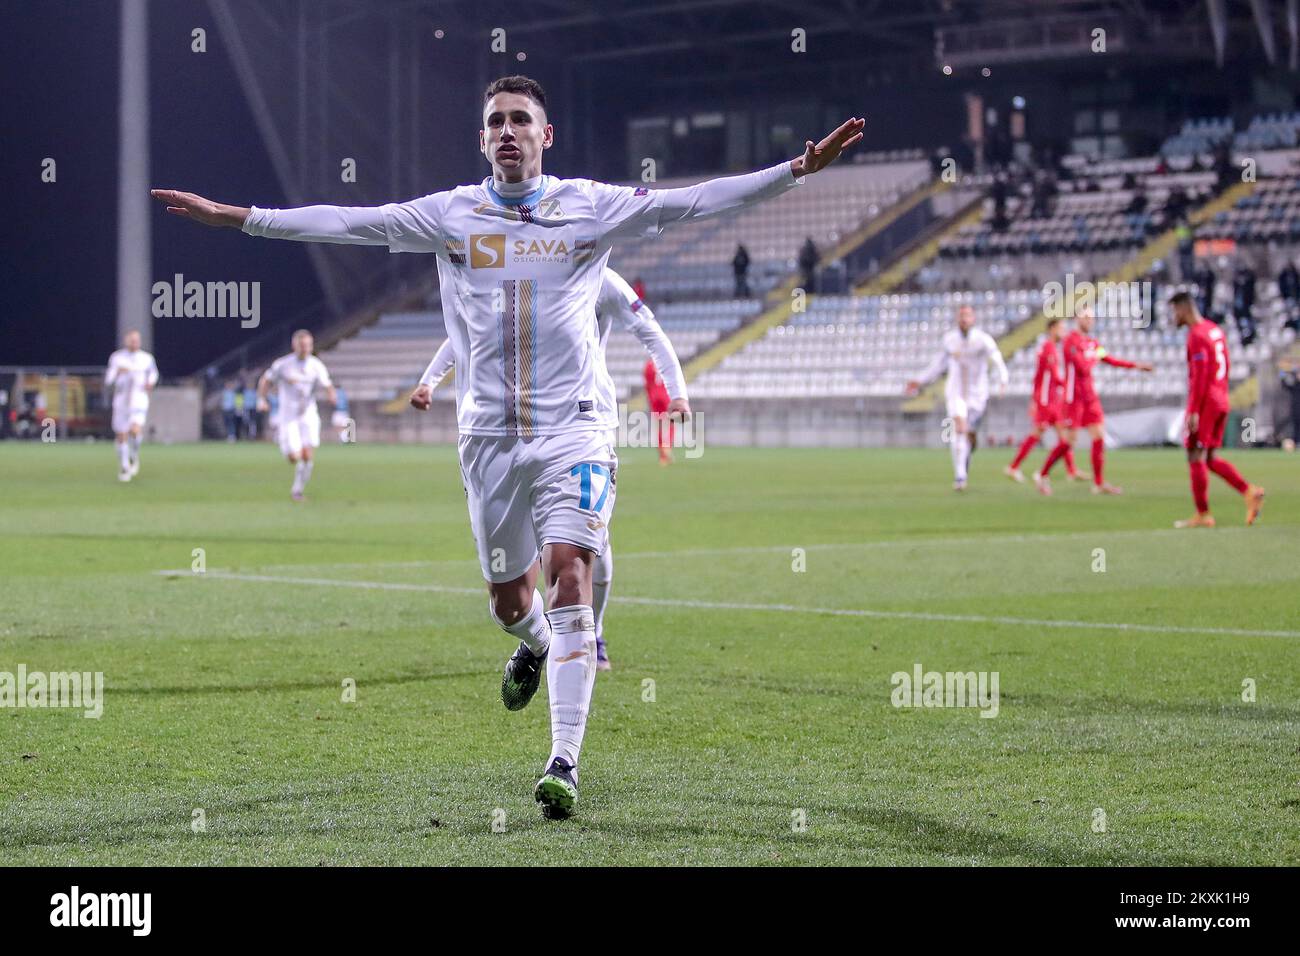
(1207,369)
(1082,352)
(656,391)
(1048,381)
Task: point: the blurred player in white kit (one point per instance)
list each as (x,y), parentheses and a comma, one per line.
(966,356)
(296,377)
(132,374)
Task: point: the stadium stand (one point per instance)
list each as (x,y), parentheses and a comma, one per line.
(694,260)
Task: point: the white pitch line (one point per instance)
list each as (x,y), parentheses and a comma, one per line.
(915,542)
(779,608)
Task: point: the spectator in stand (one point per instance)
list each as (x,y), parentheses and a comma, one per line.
(1138,204)
(1044,193)
(341,420)
(1243,302)
(639,288)
(808,260)
(228,413)
(1162,167)
(239,410)
(998,192)
(1289,374)
(740,266)
(1225,174)
(1186,250)
(1205,279)
(1288,286)
(1176,205)
(251,414)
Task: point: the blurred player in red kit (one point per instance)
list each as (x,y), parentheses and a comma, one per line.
(657,394)
(1082,406)
(1045,407)
(1207,414)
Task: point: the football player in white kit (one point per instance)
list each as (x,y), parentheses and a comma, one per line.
(132,374)
(966,356)
(296,377)
(617,300)
(521,259)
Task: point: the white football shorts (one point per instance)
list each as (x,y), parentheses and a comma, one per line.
(525,493)
(126,416)
(299,433)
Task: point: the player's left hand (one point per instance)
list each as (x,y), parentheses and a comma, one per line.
(818,156)
(1193,423)
(1145,367)
(679,410)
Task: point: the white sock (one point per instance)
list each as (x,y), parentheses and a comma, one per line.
(302,474)
(960,452)
(570,675)
(133,442)
(602,576)
(124,455)
(533,628)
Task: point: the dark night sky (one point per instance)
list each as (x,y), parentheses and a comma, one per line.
(59,268)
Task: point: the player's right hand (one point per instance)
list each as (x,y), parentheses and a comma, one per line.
(912,388)
(263,405)
(422,397)
(191,206)
(1193,423)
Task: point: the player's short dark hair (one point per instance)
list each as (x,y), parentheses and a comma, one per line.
(1054,320)
(524,85)
(1181,298)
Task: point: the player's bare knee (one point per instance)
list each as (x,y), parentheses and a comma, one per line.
(569,576)
(510,601)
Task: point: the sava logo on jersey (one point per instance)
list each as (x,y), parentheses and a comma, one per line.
(488,251)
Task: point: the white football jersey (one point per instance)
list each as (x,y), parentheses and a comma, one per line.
(966,359)
(519,287)
(296,381)
(131,374)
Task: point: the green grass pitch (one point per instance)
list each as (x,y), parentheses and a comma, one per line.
(768,735)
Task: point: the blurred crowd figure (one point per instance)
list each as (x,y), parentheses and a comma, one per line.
(808,259)
(239,411)
(740,267)
(1289,376)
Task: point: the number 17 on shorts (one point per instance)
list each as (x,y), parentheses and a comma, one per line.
(594,481)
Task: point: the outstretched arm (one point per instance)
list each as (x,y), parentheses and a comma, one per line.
(932,372)
(716,196)
(355,225)
(1124,363)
